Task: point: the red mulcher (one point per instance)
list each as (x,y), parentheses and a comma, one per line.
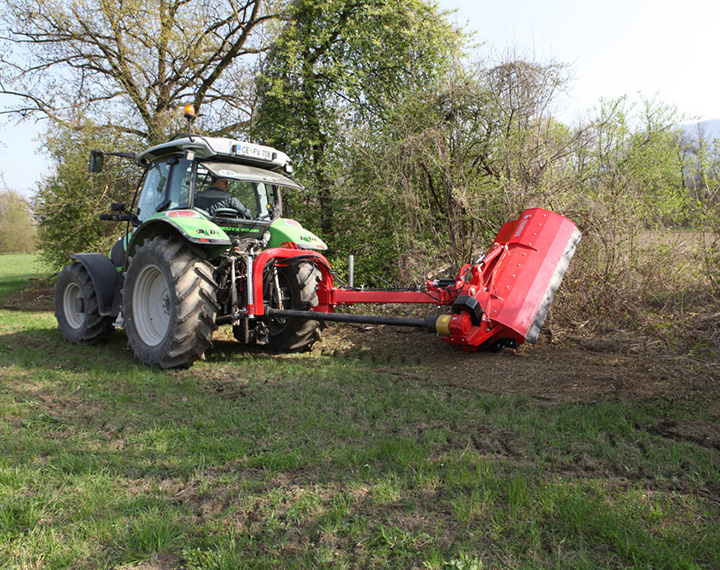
(502,300)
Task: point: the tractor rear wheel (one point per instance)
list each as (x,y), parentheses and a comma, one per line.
(169,303)
(76,307)
(297,283)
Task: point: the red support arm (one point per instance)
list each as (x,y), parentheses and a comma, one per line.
(282,253)
(330,296)
(350,297)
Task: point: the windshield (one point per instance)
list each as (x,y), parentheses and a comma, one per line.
(230,193)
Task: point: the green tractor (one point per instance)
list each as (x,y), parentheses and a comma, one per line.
(204,209)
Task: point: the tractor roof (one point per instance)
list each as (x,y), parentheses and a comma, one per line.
(227,150)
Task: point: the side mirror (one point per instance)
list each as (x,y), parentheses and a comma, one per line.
(96,161)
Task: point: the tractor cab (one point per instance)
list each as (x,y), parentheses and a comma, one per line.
(212,192)
(242,200)
(235,185)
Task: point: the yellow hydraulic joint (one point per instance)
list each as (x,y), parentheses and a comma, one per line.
(442,325)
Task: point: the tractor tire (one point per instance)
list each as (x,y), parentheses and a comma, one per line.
(169,303)
(297,283)
(76,307)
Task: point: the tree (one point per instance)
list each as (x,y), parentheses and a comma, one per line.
(129,64)
(108,73)
(338,63)
(69,200)
(455,159)
(17,228)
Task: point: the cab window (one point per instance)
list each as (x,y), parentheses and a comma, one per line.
(257,196)
(180,182)
(167,184)
(153,190)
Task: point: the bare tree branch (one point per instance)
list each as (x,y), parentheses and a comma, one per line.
(129,63)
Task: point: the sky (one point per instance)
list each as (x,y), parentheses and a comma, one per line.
(657,49)
(661,48)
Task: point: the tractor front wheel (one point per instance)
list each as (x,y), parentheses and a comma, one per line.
(169,303)
(76,307)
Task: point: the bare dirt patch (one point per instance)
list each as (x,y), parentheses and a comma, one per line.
(36,295)
(612,368)
(573,370)
(559,368)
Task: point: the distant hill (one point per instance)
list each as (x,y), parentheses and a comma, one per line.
(710,129)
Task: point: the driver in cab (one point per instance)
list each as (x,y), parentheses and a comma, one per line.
(217,200)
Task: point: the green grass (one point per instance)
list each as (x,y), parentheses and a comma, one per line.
(16,269)
(250,460)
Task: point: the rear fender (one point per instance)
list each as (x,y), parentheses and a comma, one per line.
(106,280)
(194,229)
(289,231)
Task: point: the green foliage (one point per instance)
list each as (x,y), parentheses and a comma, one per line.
(338,63)
(69,201)
(634,168)
(630,201)
(455,159)
(17,227)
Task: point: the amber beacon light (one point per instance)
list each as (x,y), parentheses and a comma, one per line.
(189,113)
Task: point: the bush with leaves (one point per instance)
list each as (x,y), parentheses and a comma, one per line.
(639,262)
(17,227)
(69,201)
(454,160)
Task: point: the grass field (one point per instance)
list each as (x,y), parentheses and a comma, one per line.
(339,459)
(16,269)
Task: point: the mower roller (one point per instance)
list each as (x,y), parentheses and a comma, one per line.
(206,245)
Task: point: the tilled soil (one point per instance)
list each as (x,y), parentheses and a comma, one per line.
(576,370)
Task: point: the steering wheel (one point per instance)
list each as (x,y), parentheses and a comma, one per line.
(225,213)
(230,208)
